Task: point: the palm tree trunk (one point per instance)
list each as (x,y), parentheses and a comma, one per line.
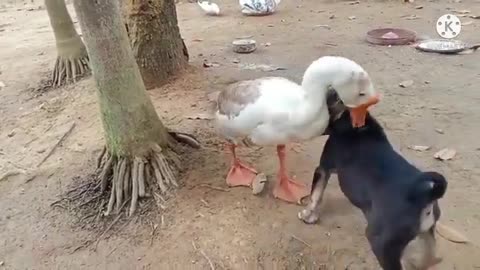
(72,58)
(140,155)
(155,39)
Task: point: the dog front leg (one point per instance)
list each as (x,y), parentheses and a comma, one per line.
(311,213)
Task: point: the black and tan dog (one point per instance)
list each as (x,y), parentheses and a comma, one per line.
(398,200)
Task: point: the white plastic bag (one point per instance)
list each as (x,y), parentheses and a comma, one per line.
(258,7)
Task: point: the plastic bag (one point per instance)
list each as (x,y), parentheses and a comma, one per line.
(258,7)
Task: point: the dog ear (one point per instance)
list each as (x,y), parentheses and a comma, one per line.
(428,187)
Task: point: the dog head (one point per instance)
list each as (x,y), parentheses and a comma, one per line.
(421,252)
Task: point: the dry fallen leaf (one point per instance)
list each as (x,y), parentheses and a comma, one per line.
(475,17)
(445,154)
(12,133)
(200,116)
(438,130)
(411,17)
(245,37)
(406,84)
(465,11)
(467,23)
(418,7)
(352,18)
(326,26)
(450,234)
(262,67)
(419,148)
(208,64)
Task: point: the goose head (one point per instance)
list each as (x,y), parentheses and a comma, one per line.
(358,94)
(351,82)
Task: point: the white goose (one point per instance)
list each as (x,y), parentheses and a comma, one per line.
(276,111)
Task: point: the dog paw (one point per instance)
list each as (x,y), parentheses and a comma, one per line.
(308,216)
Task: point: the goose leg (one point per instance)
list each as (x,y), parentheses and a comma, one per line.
(286,188)
(239,174)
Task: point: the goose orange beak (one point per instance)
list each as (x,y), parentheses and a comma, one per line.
(358,114)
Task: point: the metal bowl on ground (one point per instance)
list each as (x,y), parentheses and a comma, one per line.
(446,46)
(244,45)
(391,36)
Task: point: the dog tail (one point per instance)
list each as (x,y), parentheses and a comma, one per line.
(428,187)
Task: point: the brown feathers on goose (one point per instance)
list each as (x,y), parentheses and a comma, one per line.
(237,96)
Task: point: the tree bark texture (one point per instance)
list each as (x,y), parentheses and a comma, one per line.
(155,39)
(138,157)
(72,58)
(128,115)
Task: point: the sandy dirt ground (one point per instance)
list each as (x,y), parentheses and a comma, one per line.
(231,228)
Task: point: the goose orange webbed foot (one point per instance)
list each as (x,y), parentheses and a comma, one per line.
(286,188)
(240,175)
(290,190)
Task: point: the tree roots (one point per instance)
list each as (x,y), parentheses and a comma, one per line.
(69,69)
(133,178)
